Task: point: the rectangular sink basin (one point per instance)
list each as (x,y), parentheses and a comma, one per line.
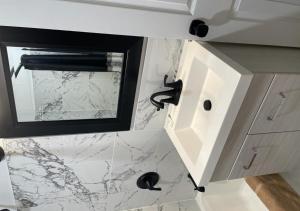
(199,134)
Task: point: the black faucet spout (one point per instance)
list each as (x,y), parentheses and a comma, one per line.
(173,94)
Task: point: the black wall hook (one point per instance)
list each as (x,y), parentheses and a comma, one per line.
(198,188)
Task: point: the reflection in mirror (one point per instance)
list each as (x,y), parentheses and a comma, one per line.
(59,84)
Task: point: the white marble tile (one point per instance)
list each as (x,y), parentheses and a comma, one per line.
(162,57)
(133,155)
(78,169)
(90,147)
(138,152)
(47,88)
(75,95)
(37,175)
(126,200)
(189,205)
(75,87)
(7,199)
(60,206)
(61,169)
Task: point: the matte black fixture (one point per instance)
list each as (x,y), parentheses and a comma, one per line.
(173,94)
(74,62)
(198,28)
(198,188)
(126,53)
(148,181)
(2,154)
(207,105)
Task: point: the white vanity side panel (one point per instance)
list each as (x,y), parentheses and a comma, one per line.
(263,59)
(254,97)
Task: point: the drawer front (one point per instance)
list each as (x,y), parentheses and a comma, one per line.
(267,153)
(280,110)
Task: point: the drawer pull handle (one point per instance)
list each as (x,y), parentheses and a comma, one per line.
(251,162)
(283,98)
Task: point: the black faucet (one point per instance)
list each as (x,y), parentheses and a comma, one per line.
(173,94)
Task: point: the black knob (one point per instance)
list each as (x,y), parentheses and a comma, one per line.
(207,105)
(198,28)
(2,154)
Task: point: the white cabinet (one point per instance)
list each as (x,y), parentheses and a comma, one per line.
(263,137)
(245,132)
(267,153)
(270,22)
(280,110)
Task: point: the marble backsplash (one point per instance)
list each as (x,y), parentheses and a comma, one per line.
(162,57)
(99,171)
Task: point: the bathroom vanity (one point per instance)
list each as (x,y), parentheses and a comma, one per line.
(252,127)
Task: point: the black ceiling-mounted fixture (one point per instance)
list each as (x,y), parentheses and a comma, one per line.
(198,28)
(148,181)
(2,154)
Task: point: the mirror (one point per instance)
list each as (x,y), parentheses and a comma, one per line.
(57,84)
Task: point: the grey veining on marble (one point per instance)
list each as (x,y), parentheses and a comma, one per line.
(188,205)
(95,171)
(52,170)
(162,57)
(138,152)
(75,95)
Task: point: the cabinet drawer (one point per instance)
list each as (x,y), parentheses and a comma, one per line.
(280,110)
(267,153)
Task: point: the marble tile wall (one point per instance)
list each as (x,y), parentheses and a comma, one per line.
(162,57)
(95,171)
(99,171)
(189,205)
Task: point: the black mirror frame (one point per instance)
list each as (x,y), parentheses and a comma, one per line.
(14,36)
